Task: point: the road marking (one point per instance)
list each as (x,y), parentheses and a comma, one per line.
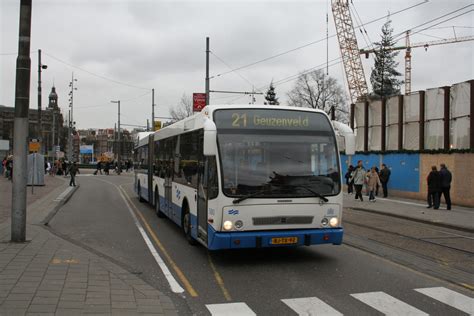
(451,298)
(219,279)
(307,306)
(387,304)
(175,287)
(163,266)
(230,309)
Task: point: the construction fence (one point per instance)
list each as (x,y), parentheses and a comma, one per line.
(438,118)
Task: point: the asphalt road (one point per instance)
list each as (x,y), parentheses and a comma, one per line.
(266,281)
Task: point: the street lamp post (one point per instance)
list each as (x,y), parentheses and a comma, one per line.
(71,119)
(40,127)
(118,138)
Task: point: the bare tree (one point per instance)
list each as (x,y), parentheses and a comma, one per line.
(183,109)
(316,90)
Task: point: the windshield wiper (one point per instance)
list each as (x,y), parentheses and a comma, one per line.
(240,199)
(316,194)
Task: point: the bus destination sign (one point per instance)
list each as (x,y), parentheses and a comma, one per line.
(270,119)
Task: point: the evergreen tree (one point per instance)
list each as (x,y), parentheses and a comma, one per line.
(271,96)
(384,74)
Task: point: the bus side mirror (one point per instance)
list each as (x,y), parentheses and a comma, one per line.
(210,138)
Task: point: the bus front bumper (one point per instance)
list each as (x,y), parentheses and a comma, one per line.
(266,239)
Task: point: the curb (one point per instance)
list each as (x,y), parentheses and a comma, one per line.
(59,201)
(426,221)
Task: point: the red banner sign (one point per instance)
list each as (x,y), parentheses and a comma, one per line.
(199,101)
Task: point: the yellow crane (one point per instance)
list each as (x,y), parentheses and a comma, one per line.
(408,46)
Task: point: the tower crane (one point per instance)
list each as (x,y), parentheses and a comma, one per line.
(349,50)
(408,48)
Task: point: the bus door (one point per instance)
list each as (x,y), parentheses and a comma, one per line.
(151,168)
(202,196)
(169,178)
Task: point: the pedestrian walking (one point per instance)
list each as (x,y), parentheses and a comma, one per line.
(98,168)
(72,172)
(350,179)
(434,187)
(384,176)
(372,182)
(107,168)
(446,178)
(359,179)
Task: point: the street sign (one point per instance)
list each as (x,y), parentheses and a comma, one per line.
(34,145)
(199,101)
(157,125)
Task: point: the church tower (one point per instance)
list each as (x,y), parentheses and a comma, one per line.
(53,99)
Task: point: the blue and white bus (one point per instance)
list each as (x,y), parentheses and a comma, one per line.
(245,176)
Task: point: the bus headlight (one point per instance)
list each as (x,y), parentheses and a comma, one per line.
(227,225)
(238,224)
(324,221)
(333,222)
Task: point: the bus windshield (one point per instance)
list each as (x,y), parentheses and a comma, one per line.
(281,153)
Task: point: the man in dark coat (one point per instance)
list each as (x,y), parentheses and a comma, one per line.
(446,178)
(72,171)
(434,188)
(384,176)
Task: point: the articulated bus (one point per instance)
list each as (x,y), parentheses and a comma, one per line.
(246,176)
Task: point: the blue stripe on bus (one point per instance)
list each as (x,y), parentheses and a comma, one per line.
(235,240)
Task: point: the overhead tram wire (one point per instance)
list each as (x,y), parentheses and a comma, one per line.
(362,28)
(94,74)
(227,65)
(413,30)
(315,42)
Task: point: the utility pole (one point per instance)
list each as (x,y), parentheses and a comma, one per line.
(118,137)
(20,128)
(207,70)
(71,118)
(153,109)
(40,126)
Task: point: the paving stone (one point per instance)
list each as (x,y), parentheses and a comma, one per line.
(150,309)
(125,305)
(39,314)
(94,308)
(23,290)
(71,304)
(12,311)
(75,285)
(73,297)
(45,300)
(42,308)
(148,302)
(97,295)
(94,288)
(68,312)
(48,294)
(98,301)
(123,298)
(121,292)
(74,291)
(20,297)
(121,312)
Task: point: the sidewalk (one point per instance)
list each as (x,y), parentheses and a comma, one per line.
(458,217)
(48,275)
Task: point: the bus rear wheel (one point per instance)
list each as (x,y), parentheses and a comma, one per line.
(139,191)
(187,226)
(159,213)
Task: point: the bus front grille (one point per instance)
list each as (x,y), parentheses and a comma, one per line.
(282,220)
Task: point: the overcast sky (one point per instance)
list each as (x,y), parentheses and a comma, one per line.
(120,49)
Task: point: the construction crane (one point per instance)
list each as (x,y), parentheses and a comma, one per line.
(349,50)
(408,48)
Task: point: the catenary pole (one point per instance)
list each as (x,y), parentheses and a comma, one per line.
(207,71)
(20,129)
(153,109)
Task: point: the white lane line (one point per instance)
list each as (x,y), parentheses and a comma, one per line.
(175,287)
(63,194)
(230,309)
(451,298)
(387,304)
(308,306)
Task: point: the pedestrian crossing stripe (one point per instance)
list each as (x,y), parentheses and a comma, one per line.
(384,303)
(387,304)
(451,298)
(310,306)
(230,309)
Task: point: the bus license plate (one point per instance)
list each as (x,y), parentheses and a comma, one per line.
(284,240)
